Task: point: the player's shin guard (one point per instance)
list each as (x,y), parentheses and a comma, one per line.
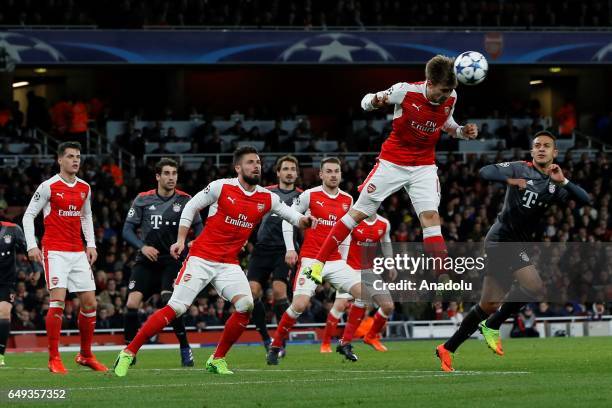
(435,247)
(5,326)
(380,319)
(152,326)
(468,326)
(338,234)
(331,325)
(87,324)
(354,320)
(280,306)
(53,325)
(259,319)
(284,327)
(234,327)
(505,311)
(131,324)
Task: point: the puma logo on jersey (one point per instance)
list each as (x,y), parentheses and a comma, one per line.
(60,195)
(233,200)
(320,203)
(417,107)
(360,230)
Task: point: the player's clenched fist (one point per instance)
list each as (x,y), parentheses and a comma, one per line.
(177,249)
(291,257)
(380,99)
(307,222)
(470,131)
(35,255)
(556,174)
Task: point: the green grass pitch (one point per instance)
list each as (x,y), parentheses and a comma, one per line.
(555,372)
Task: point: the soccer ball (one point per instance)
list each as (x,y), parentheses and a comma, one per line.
(471,68)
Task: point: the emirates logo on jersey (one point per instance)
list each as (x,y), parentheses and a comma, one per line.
(260,207)
(187,277)
(240,222)
(71,212)
(54,280)
(371,188)
(7,239)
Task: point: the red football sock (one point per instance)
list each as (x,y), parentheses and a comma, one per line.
(338,234)
(330,327)
(282,331)
(379,323)
(152,326)
(53,324)
(234,327)
(354,320)
(87,324)
(435,247)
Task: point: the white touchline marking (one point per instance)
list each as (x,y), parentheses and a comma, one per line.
(284,381)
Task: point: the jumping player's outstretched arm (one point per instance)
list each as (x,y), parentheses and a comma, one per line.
(200,201)
(39,200)
(392,96)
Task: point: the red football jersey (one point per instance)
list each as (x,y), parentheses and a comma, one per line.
(364,242)
(417,124)
(327,209)
(67,210)
(232,216)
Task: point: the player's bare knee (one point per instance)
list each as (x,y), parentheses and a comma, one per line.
(358,215)
(5,310)
(387,308)
(299,304)
(133,300)
(279,290)
(356,291)
(429,218)
(256,290)
(243,303)
(178,307)
(340,305)
(489,307)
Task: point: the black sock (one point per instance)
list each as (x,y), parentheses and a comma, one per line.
(179,330)
(280,306)
(5,328)
(468,326)
(259,319)
(505,311)
(131,324)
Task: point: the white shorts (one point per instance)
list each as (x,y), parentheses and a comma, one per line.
(367,278)
(69,270)
(421,183)
(337,273)
(229,280)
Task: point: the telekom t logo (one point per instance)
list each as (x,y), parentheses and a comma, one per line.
(156,221)
(529,198)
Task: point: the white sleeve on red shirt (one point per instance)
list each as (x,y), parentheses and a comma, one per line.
(87,222)
(344,247)
(300,204)
(200,201)
(39,200)
(288,214)
(450,126)
(386,248)
(396,95)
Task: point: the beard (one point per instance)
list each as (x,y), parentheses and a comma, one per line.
(252,180)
